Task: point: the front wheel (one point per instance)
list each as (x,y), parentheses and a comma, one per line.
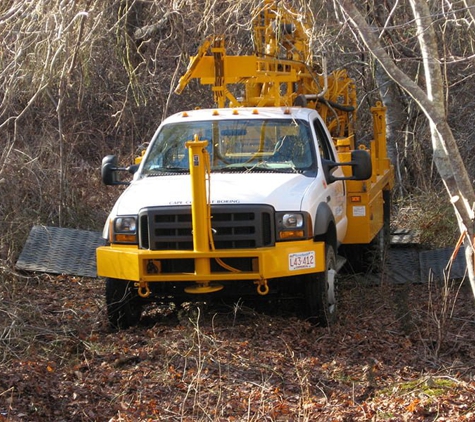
(124,307)
(320,292)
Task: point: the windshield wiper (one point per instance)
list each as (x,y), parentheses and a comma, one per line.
(177,169)
(261,166)
(160,170)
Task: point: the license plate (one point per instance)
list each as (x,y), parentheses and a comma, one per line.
(302,260)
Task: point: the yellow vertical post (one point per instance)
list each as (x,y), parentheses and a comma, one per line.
(199,205)
(199,160)
(379,132)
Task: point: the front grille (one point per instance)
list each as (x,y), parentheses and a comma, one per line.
(234,227)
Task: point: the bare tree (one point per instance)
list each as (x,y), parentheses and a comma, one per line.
(432,102)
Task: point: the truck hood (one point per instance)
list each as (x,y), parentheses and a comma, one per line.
(283,191)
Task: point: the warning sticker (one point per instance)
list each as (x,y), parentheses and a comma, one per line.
(359,211)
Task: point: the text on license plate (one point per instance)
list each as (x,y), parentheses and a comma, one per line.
(301,260)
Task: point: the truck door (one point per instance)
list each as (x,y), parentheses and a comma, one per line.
(335,191)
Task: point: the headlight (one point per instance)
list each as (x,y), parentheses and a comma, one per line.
(125,224)
(293,226)
(292,221)
(125,229)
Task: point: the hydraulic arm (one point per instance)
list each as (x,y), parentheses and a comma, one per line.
(280,72)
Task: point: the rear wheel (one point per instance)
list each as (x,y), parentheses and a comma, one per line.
(124,307)
(320,292)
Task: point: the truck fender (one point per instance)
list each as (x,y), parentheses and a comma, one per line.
(323,218)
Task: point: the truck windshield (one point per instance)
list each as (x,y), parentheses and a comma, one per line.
(278,145)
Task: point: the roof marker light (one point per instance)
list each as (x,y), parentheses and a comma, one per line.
(215,113)
(255,111)
(235,112)
(185,114)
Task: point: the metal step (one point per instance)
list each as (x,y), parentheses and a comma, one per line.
(340,262)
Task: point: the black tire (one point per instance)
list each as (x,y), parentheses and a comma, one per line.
(124,307)
(320,292)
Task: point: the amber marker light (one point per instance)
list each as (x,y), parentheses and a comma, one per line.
(126,238)
(293,234)
(356,199)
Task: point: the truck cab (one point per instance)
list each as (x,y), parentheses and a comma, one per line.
(277,157)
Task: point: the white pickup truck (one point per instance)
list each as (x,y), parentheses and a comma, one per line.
(250,199)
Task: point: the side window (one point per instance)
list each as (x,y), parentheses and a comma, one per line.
(324,146)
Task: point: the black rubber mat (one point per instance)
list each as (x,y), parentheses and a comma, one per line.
(438,265)
(60,251)
(404,265)
(68,251)
(405,237)
(401,266)
(410,265)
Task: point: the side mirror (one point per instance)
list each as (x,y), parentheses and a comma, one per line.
(360,163)
(109,171)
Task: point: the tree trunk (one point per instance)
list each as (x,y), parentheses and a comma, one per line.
(447,157)
(395,117)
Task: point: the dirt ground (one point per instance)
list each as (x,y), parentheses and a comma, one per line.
(397,353)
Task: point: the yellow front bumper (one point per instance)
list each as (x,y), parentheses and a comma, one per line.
(284,259)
